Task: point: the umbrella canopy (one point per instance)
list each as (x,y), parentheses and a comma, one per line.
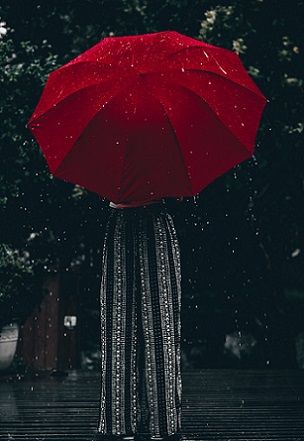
(147,116)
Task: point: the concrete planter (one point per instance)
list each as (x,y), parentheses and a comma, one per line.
(8,344)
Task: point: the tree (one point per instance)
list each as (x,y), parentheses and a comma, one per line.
(245,231)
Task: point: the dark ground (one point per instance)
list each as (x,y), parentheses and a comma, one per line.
(221,405)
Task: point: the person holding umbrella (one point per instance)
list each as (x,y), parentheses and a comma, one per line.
(138,119)
(140,323)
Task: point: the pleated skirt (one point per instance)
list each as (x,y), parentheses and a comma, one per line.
(140,302)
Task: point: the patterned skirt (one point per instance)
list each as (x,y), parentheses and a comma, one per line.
(140,324)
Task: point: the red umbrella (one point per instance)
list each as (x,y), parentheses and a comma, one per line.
(146,116)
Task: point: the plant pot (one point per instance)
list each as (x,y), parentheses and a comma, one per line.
(8,344)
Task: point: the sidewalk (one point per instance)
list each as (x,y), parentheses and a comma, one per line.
(218,405)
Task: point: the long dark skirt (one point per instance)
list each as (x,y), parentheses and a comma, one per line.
(140,323)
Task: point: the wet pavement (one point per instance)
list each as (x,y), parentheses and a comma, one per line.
(218,405)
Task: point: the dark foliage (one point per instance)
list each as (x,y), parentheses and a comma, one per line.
(242,240)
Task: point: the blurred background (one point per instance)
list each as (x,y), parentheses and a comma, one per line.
(242,238)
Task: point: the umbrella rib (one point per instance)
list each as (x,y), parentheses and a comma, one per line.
(262,98)
(98,63)
(209,72)
(176,139)
(91,86)
(210,108)
(89,122)
(205,50)
(84,62)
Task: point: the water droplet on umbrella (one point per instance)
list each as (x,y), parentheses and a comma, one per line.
(296,252)
(223,70)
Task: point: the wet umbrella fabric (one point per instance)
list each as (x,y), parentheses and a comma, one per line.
(146,116)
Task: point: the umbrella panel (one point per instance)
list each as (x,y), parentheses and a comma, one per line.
(62,125)
(141,145)
(128,152)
